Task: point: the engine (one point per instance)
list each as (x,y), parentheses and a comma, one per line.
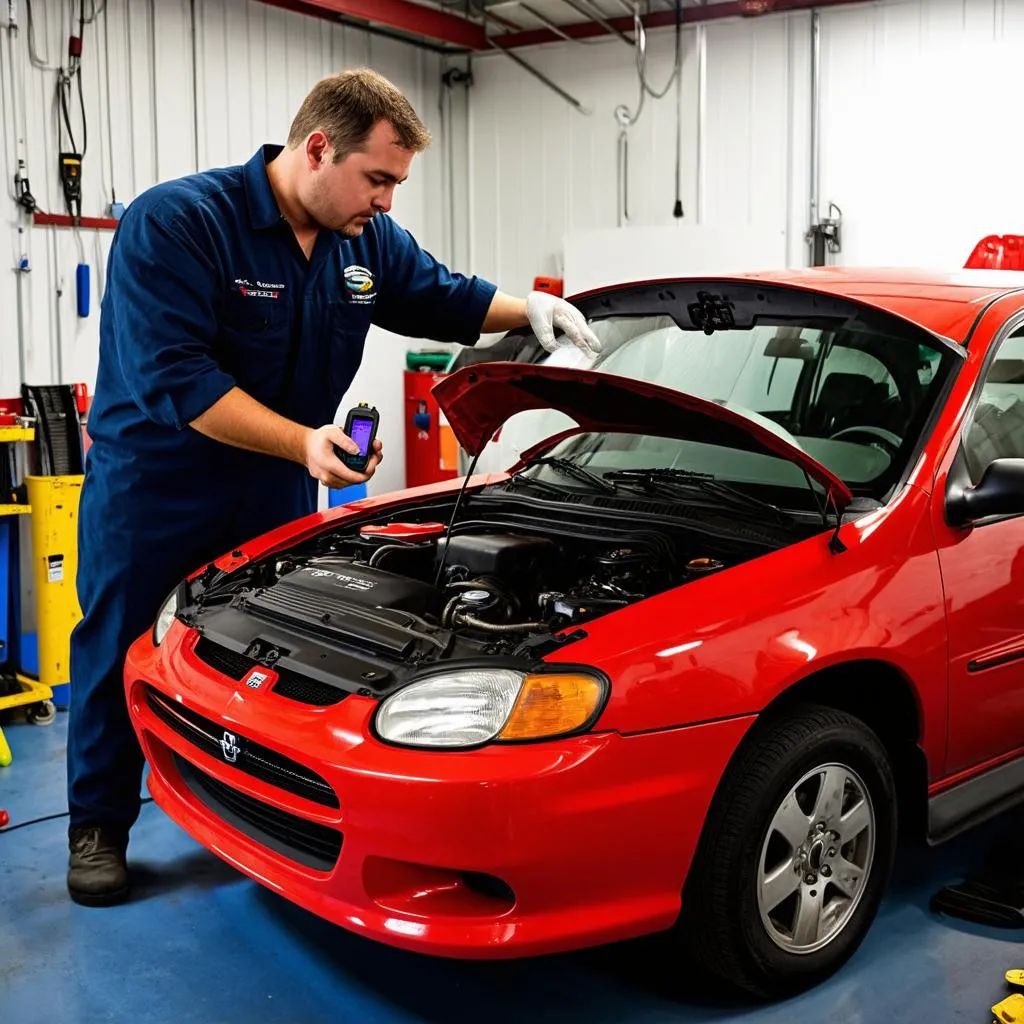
(359,607)
(494,583)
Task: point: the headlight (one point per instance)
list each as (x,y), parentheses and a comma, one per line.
(473,706)
(165,617)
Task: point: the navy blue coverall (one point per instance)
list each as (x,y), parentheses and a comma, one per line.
(208,289)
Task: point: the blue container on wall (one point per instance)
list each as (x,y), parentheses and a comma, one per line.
(82,288)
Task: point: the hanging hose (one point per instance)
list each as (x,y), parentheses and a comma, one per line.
(63,94)
(626,118)
(677,209)
(623,174)
(622,113)
(641,51)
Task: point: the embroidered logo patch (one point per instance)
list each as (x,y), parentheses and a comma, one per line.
(359,284)
(258,289)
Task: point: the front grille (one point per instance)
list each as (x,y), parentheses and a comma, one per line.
(290,684)
(223,659)
(307,691)
(306,842)
(252,758)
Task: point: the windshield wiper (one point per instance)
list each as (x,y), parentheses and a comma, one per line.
(521,480)
(570,468)
(685,479)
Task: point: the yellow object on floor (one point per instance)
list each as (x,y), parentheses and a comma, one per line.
(54,501)
(31,693)
(1015,978)
(1010,1010)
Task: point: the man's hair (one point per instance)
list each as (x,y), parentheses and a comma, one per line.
(345,107)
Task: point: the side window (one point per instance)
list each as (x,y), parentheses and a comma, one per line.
(997,429)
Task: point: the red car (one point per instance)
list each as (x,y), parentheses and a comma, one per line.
(753,608)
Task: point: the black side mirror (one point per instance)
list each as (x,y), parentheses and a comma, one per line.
(1000,493)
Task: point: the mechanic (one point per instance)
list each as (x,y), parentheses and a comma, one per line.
(237,306)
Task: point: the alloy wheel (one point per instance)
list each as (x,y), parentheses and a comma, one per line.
(816,859)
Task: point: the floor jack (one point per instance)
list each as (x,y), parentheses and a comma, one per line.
(993,901)
(993,896)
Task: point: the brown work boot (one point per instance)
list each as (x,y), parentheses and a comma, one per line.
(97,871)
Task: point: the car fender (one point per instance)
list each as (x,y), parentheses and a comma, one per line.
(728,645)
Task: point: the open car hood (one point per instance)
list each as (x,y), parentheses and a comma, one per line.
(478,399)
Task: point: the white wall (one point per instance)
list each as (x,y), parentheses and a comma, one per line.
(253,65)
(540,169)
(919,111)
(918,107)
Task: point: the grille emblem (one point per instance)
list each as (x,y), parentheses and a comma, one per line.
(229,747)
(257,679)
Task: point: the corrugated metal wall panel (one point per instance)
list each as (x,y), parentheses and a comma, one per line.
(540,168)
(917,100)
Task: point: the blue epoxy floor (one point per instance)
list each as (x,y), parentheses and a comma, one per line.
(200,943)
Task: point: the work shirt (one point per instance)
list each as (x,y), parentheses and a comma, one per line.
(208,289)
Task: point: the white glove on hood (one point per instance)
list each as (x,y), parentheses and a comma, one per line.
(548,313)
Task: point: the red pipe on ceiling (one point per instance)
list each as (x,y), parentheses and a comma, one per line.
(439,27)
(660,19)
(398,15)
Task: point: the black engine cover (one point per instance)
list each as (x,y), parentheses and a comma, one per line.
(505,555)
(338,579)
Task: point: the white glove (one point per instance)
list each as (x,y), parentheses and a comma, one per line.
(548,313)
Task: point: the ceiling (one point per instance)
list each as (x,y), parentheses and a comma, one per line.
(477,25)
(560,12)
(523,22)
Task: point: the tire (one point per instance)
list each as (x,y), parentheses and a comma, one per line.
(739,919)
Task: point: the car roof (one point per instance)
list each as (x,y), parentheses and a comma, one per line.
(946,303)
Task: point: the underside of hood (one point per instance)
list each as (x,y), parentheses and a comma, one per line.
(477,400)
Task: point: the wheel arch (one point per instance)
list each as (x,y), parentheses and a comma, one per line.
(886,700)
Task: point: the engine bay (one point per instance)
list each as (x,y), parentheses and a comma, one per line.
(495,586)
(359,606)
(412,590)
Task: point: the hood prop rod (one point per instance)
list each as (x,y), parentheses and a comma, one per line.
(835,544)
(455,510)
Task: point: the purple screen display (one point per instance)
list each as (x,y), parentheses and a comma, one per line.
(361,430)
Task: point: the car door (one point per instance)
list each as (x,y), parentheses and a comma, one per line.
(982,565)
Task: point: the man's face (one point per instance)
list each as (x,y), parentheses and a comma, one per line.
(347,195)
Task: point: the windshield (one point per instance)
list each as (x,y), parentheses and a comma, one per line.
(854,399)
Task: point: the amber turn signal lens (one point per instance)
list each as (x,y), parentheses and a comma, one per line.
(552,705)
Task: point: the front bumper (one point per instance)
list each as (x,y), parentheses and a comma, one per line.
(502,851)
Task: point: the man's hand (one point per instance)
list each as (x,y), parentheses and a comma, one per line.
(324,465)
(548,313)
(239,420)
(545,314)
